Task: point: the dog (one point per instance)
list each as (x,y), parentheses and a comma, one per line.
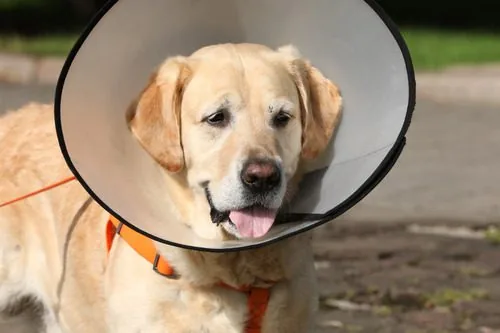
(232,126)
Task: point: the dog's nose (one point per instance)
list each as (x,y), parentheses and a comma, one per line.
(261,175)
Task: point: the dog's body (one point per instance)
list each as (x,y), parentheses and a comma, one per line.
(53,245)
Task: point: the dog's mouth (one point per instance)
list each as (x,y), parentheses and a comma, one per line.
(254,221)
(249,222)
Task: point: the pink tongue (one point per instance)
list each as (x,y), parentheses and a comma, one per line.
(253,222)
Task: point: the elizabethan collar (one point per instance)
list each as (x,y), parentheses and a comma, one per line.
(352,42)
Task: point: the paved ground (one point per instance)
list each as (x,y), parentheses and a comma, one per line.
(13,96)
(478,84)
(385,279)
(378,272)
(449,170)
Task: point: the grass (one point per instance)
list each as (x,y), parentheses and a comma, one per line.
(431,49)
(436,49)
(449,297)
(50,45)
(382,311)
(493,235)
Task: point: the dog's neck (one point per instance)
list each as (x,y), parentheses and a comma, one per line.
(255,267)
(258,267)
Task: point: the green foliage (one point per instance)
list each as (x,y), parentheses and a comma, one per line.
(20,4)
(475,14)
(38,17)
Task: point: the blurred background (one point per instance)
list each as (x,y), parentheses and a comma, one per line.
(421,253)
(439,32)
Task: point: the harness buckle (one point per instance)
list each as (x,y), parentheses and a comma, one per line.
(172,276)
(119,228)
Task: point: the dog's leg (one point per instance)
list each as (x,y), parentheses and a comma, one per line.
(12,264)
(294,302)
(25,281)
(50,322)
(298,316)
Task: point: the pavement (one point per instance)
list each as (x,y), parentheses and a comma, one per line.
(448,172)
(26,69)
(13,95)
(462,84)
(380,269)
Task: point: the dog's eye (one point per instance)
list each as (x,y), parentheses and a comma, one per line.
(281,119)
(218,119)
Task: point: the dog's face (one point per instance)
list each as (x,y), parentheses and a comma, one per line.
(236,121)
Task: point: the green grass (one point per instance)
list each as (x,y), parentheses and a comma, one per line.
(50,45)
(430,49)
(449,297)
(493,235)
(434,49)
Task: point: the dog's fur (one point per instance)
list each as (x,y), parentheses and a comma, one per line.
(52,246)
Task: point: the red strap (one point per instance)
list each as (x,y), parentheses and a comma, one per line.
(110,235)
(43,189)
(258,299)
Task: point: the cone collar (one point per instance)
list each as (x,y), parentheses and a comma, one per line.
(352,42)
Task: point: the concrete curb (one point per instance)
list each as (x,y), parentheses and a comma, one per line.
(467,84)
(25,69)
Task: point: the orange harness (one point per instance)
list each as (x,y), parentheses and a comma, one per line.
(258,298)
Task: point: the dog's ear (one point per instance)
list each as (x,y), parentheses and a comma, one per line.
(155,119)
(321,103)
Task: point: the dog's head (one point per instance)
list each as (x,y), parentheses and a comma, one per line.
(235,121)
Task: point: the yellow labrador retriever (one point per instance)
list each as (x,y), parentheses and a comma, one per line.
(232,125)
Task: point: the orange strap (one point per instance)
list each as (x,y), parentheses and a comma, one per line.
(258,298)
(140,243)
(43,189)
